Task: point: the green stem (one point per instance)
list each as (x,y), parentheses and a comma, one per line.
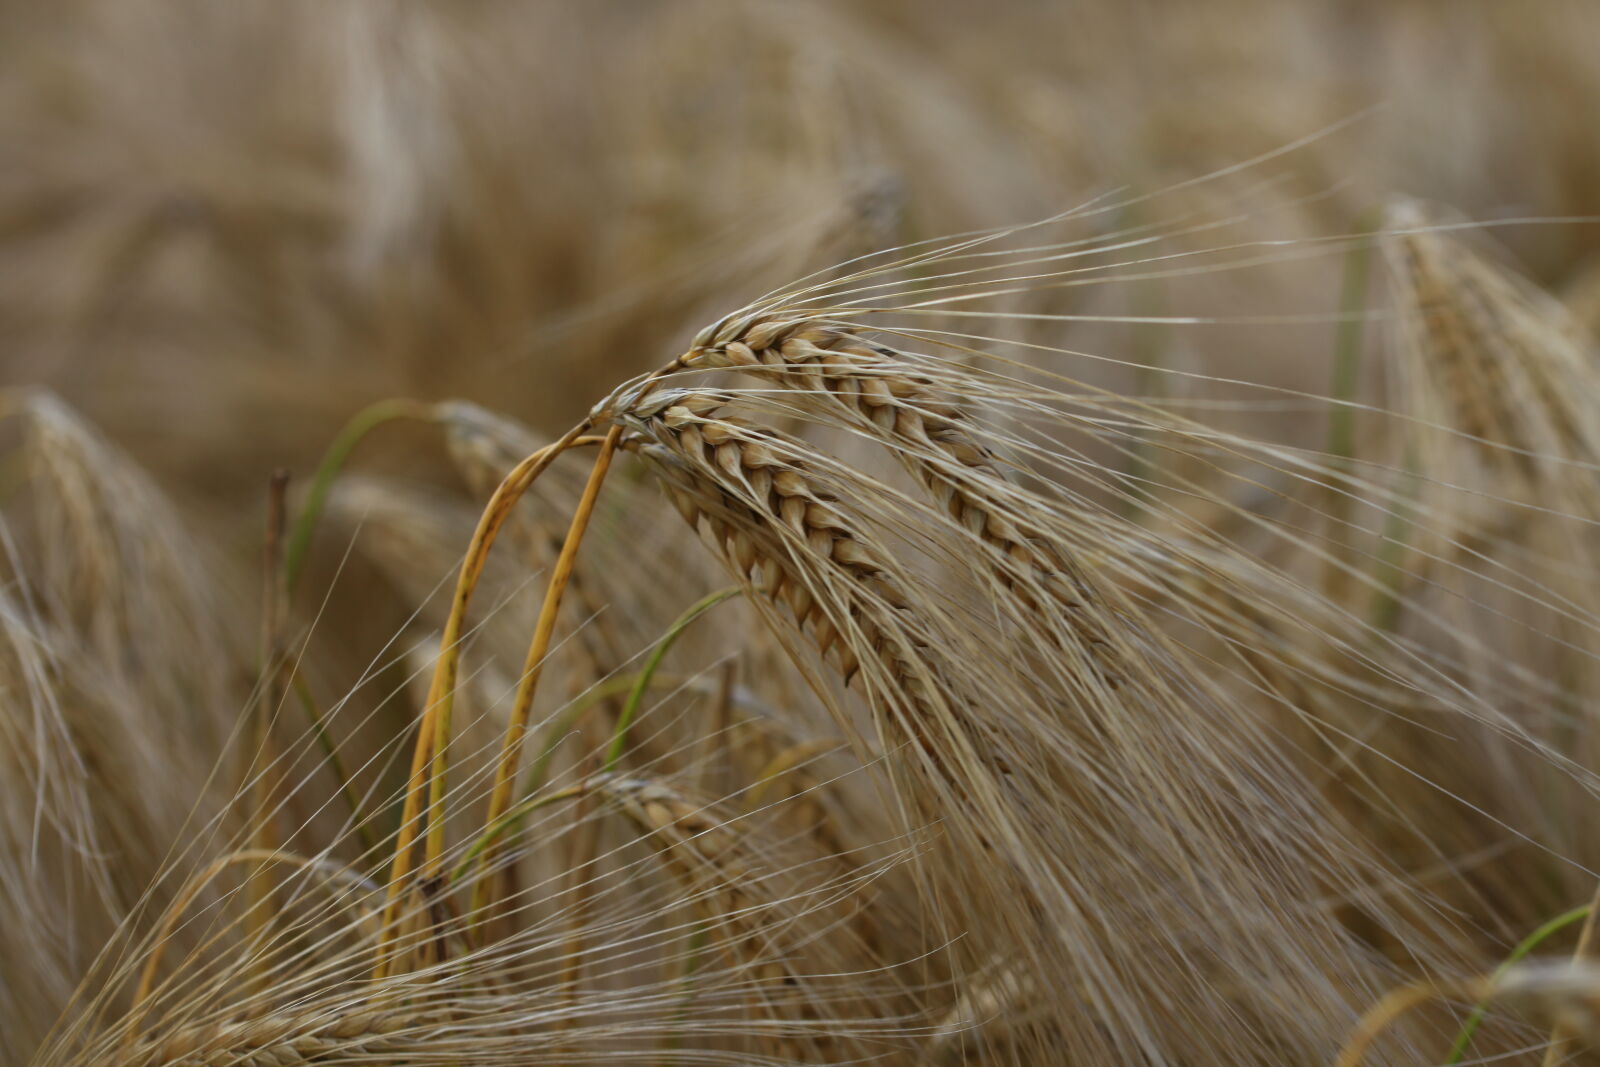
(1391,553)
(364,422)
(1459,1050)
(513,816)
(640,684)
(630,710)
(336,764)
(1346,377)
(564,723)
(1347,348)
(1151,342)
(541,766)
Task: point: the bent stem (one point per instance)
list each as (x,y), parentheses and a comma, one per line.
(532,669)
(1458,1050)
(523,808)
(1383,1015)
(630,710)
(362,423)
(1559,1035)
(441,690)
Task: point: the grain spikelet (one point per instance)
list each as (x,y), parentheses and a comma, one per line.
(1489,355)
(880,392)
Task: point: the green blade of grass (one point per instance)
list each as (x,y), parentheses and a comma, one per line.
(335,763)
(637,686)
(513,816)
(568,719)
(1390,554)
(1342,387)
(619,739)
(1544,933)
(1347,347)
(362,423)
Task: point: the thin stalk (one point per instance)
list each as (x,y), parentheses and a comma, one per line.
(519,811)
(569,718)
(1347,356)
(1458,1050)
(532,669)
(186,896)
(304,530)
(330,751)
(362,423)
(441,690)
(190,892)
(1558,1035)
(630,710)
(1390,575)
(586,842)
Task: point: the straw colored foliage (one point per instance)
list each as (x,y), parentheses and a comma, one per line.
(763,533)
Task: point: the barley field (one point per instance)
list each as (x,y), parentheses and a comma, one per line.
(738,532)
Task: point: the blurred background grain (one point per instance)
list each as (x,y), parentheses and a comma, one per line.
(224,227)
